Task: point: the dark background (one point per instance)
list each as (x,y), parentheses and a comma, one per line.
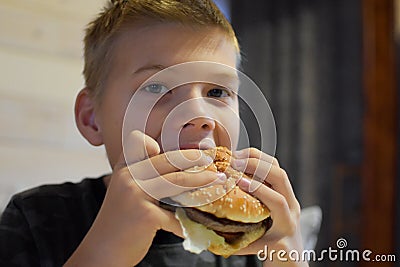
(307,57)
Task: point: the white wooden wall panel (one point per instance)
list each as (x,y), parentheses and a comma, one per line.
(40,75)
(53,32)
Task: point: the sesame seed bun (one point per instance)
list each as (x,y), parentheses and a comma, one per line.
(236,205)
(229,217)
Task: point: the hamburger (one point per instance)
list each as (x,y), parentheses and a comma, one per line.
(221,218)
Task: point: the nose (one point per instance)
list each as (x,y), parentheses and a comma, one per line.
(200,123)
(198,111)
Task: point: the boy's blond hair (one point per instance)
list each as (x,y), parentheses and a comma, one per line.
(120,14)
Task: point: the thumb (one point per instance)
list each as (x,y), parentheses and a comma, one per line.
(136,146)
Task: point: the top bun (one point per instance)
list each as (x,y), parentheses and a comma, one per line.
(225,201)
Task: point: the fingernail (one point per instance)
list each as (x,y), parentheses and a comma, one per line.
(244,184)
(209,160)
(221,177)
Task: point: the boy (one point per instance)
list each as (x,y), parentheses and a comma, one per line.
(111,221)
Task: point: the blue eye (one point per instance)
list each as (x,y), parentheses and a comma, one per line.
(218,92)
(156,88)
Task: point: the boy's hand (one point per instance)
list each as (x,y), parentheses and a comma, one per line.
(271,185)
(129,218)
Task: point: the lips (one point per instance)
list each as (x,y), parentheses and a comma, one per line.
(201,145)
(189,146)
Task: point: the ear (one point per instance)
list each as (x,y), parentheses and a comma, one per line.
(85,118)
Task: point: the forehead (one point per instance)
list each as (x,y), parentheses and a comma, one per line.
(141,46)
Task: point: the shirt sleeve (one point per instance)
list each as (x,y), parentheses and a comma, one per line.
(17,246)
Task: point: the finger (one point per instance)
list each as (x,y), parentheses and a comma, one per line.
(253,152)
(168,162)
(170,223)
(253,248)
(276,203)
(272,175)
(137,146)
(258,168)
(279,180)
(175,183)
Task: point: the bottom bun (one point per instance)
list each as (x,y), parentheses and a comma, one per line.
(199,238)
(226,249)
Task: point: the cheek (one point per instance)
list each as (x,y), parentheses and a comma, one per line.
(144,115)
(154,122)
(229,130)
(165,133)
(111,129)
(154,125)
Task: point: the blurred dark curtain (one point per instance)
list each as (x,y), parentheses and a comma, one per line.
(306,56)
(397,238)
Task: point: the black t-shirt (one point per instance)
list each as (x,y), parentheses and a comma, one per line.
(43,226)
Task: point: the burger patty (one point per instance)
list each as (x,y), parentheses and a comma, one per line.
(220,224)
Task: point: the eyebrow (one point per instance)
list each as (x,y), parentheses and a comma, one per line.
(156,67)
(227,75)
(221,75)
